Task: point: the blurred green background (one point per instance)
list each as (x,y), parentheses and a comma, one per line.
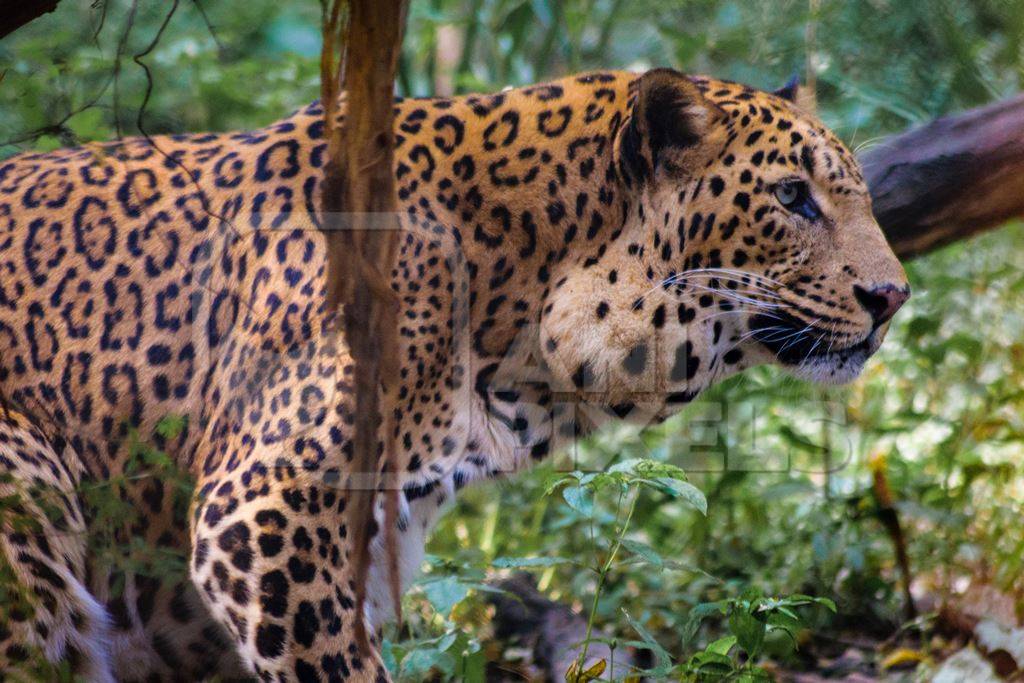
(787,475)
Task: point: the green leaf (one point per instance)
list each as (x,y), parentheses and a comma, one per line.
(785,622)
(754,675)
(527,562)
(87,124)
(645,468)
(422,660)
(663,660)
(922,327)
(799,599)
(722,645)
(697,615)
(571,479)
(749,631)
(686,491)
(447,640)
(967,345)
(387,654)
(578,500)
(628,466)
(474,666)
(48,143)
(713,665)
(644,551)
(445,593)
(171,426)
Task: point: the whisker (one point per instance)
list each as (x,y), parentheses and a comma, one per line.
(810,352)
(749,280)
(740,309)
(729,294)
(743,274)
(772,335)
(798,337)
(728,276)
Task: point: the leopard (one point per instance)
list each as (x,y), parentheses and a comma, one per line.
(597,248)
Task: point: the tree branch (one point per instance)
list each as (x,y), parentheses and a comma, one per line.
(17,14)
(949,179)
(360,220)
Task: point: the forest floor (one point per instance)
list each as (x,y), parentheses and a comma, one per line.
(974,637)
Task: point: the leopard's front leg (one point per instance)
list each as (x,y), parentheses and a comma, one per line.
(271,559)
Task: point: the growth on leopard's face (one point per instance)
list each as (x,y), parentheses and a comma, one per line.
(750,240)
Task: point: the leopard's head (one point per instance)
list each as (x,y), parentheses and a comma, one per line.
(748,239)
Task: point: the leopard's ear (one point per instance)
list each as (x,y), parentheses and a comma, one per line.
(791,90)
(670,123)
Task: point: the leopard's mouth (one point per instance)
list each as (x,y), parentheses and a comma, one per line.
(812,353)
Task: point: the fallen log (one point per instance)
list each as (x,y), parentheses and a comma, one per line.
(949,179)
(552,632)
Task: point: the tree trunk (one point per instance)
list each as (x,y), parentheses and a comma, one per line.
(950,179)
(360,219)
(16,13)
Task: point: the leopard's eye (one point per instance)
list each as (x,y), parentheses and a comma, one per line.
(795,196)
(787,193)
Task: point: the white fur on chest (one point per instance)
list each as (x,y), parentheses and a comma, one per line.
(488,448)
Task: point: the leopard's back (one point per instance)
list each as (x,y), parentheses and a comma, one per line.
(129,269)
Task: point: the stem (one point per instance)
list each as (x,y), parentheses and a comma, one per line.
(826,442)
(550,39)
(602,575)
(405,76)
(490,526)
(431,47)
(468,45)
(606,29)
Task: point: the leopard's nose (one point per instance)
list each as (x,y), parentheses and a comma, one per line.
(881,302)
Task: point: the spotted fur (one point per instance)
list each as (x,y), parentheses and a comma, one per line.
(600,247)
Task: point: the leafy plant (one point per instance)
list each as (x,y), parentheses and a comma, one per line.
(750,619)
(444,614)
(624,481)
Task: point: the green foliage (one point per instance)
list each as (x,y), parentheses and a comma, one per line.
(71,76)
(112,534)
(443,616)
(623,481)
(750,619)
(115,534)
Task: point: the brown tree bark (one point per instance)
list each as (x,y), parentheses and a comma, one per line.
(949,179)
(360,219)
(16,13)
